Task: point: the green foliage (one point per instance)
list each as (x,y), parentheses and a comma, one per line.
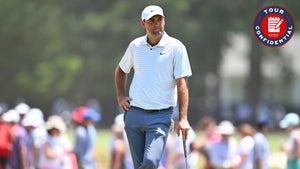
(70,48)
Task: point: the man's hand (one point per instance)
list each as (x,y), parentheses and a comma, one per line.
(124,103)
(183,126)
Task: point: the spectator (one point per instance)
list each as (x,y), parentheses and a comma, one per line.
(290,123)
(55,154)
(39,133)
(127,159)
(118,148)
(261,151)
(210,137)
(246,147)
(85,139)
(5,141)
(224,155)
(22,109)
(22,156)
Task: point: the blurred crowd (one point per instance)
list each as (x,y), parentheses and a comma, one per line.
(221,146)
(30,142)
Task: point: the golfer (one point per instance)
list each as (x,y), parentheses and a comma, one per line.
(161,68)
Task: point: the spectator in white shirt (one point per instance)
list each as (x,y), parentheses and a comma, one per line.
(246,147)
(223,155)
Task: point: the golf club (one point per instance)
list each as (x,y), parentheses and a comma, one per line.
(185,153)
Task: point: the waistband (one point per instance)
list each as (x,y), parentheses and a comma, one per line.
(154,110)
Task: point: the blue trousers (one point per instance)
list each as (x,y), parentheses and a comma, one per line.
(147,133)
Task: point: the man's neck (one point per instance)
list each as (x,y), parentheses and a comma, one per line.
(154,40)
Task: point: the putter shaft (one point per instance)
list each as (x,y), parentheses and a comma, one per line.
(185,153)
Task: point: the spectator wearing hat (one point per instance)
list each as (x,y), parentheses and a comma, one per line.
(22,155)
(224,154)
(55,153)
(5,141)
(261,149)
(290,123)
(85,139)
(39,133)
(12,118)
(22,108)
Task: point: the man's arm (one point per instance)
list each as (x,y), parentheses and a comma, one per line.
(120,84)
(258,164)
(183,101)
(297,145)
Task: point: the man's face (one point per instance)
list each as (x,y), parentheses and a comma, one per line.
(155,25)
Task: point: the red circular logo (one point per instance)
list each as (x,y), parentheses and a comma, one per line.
(273,26)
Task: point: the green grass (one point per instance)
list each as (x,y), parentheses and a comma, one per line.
(104,136)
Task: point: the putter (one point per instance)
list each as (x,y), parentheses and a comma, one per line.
(185,153)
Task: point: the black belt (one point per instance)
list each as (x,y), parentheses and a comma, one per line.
(153,111)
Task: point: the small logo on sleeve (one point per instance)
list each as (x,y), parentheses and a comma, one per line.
(273,26)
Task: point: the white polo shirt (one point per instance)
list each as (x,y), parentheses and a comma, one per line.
(246,148)
(155,69)
(223,152)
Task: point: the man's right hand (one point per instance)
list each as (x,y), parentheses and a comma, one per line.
(124,103)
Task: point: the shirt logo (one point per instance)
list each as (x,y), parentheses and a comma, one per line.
(273,26)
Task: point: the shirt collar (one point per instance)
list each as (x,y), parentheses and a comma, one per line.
(163,41)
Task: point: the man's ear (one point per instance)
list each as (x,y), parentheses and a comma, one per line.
(143,24)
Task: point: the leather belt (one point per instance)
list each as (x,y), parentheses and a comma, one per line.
(153,111)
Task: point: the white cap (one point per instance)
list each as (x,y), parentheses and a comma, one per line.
(55,121)
(22,108)
(36,114)
(226,128)
(30,121)
(11,116)
(150,11)
(289,119)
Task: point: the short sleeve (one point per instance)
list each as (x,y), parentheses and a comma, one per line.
(126,62)
(258,147)
(182,67)
(246,145)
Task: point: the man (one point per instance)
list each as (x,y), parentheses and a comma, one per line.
(6,138)
(224,154)
(161,67)
(22,155)
(246,147)
(211,135)
(261,148)
(85,137)
(290,123)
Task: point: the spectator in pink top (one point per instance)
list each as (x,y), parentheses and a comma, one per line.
(5,141)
